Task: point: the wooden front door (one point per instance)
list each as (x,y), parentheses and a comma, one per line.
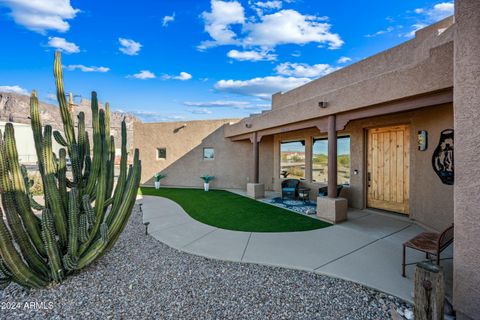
(388,168)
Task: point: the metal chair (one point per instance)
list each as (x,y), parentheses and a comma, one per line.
(431,243)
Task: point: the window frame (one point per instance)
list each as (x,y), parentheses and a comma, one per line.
(203,154)
(339,137)
(304,144)
(157,153)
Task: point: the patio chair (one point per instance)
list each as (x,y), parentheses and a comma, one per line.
(431,243)
(323,191)
(290,188)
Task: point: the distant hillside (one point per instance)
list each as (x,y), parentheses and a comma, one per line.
(17,108)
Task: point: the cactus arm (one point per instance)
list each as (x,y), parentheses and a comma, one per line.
(120,187)
(58,137)
(101,187)
(88,160)
(52,194)
(62,177)
(36,129)
(62,101)
(71,258)
(10,158)
(119,221)
(97,147)
(111,168)
(82,136)
(53,251)
(20,235)
(76,167)
(14,262)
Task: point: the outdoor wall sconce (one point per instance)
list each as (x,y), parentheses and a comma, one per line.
(422,140)
(355,172)
(323,104)
(248,125)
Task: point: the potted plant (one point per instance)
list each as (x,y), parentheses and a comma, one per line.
(206,181)
(158,176)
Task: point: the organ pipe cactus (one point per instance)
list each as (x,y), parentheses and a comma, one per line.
(83,212)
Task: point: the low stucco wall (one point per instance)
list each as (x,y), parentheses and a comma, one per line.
(232,165)
(431,201)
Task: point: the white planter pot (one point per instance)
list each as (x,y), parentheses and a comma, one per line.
(206,186)
(157,184)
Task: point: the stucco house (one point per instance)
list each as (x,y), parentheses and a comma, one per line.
(386,128)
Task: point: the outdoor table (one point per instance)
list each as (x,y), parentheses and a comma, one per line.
(304,194)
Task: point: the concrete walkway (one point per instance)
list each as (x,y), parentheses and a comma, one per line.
(366,249)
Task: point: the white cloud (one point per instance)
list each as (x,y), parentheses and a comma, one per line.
(183,76)
(14,89)
(200,111)
(344,59)
(268,31)
(63,45)
(291,27)
(438,12)
(168,19)
(129,46)
(304,70)
(41,15)
(380,32)
(269,4)
(143,75)
(83,68)
(234,104)
(415,27)
(218,104)
(260,87)
(218,22)
(154,116)
(431,15)
(251,55)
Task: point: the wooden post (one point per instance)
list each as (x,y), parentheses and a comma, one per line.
(429,292)
(256,158)
(332,157)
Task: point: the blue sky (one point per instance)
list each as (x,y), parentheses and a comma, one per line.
(171,60)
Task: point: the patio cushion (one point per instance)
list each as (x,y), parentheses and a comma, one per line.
(288,189)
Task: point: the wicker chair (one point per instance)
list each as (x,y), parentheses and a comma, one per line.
(429,242)
(323,191)
(290,188)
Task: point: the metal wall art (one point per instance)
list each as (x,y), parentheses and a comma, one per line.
(442,159)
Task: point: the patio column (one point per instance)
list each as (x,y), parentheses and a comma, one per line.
(466,92)
(256,158)
(255,189)
(332,157)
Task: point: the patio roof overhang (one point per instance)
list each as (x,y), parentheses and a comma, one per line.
(436,98)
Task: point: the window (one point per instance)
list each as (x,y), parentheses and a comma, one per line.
(320,160)
(292,159)
(161,153)
(208,153)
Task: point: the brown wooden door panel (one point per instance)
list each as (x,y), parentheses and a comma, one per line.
(388,168)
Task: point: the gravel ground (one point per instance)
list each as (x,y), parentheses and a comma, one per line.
(141,278)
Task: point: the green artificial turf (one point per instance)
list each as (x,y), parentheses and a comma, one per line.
(230,211)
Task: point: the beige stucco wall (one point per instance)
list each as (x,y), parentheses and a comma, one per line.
(148,137)
(431,201)
(421,65)
(466,278)
(232,166)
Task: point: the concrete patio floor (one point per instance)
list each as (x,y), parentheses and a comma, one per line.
(366,249)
